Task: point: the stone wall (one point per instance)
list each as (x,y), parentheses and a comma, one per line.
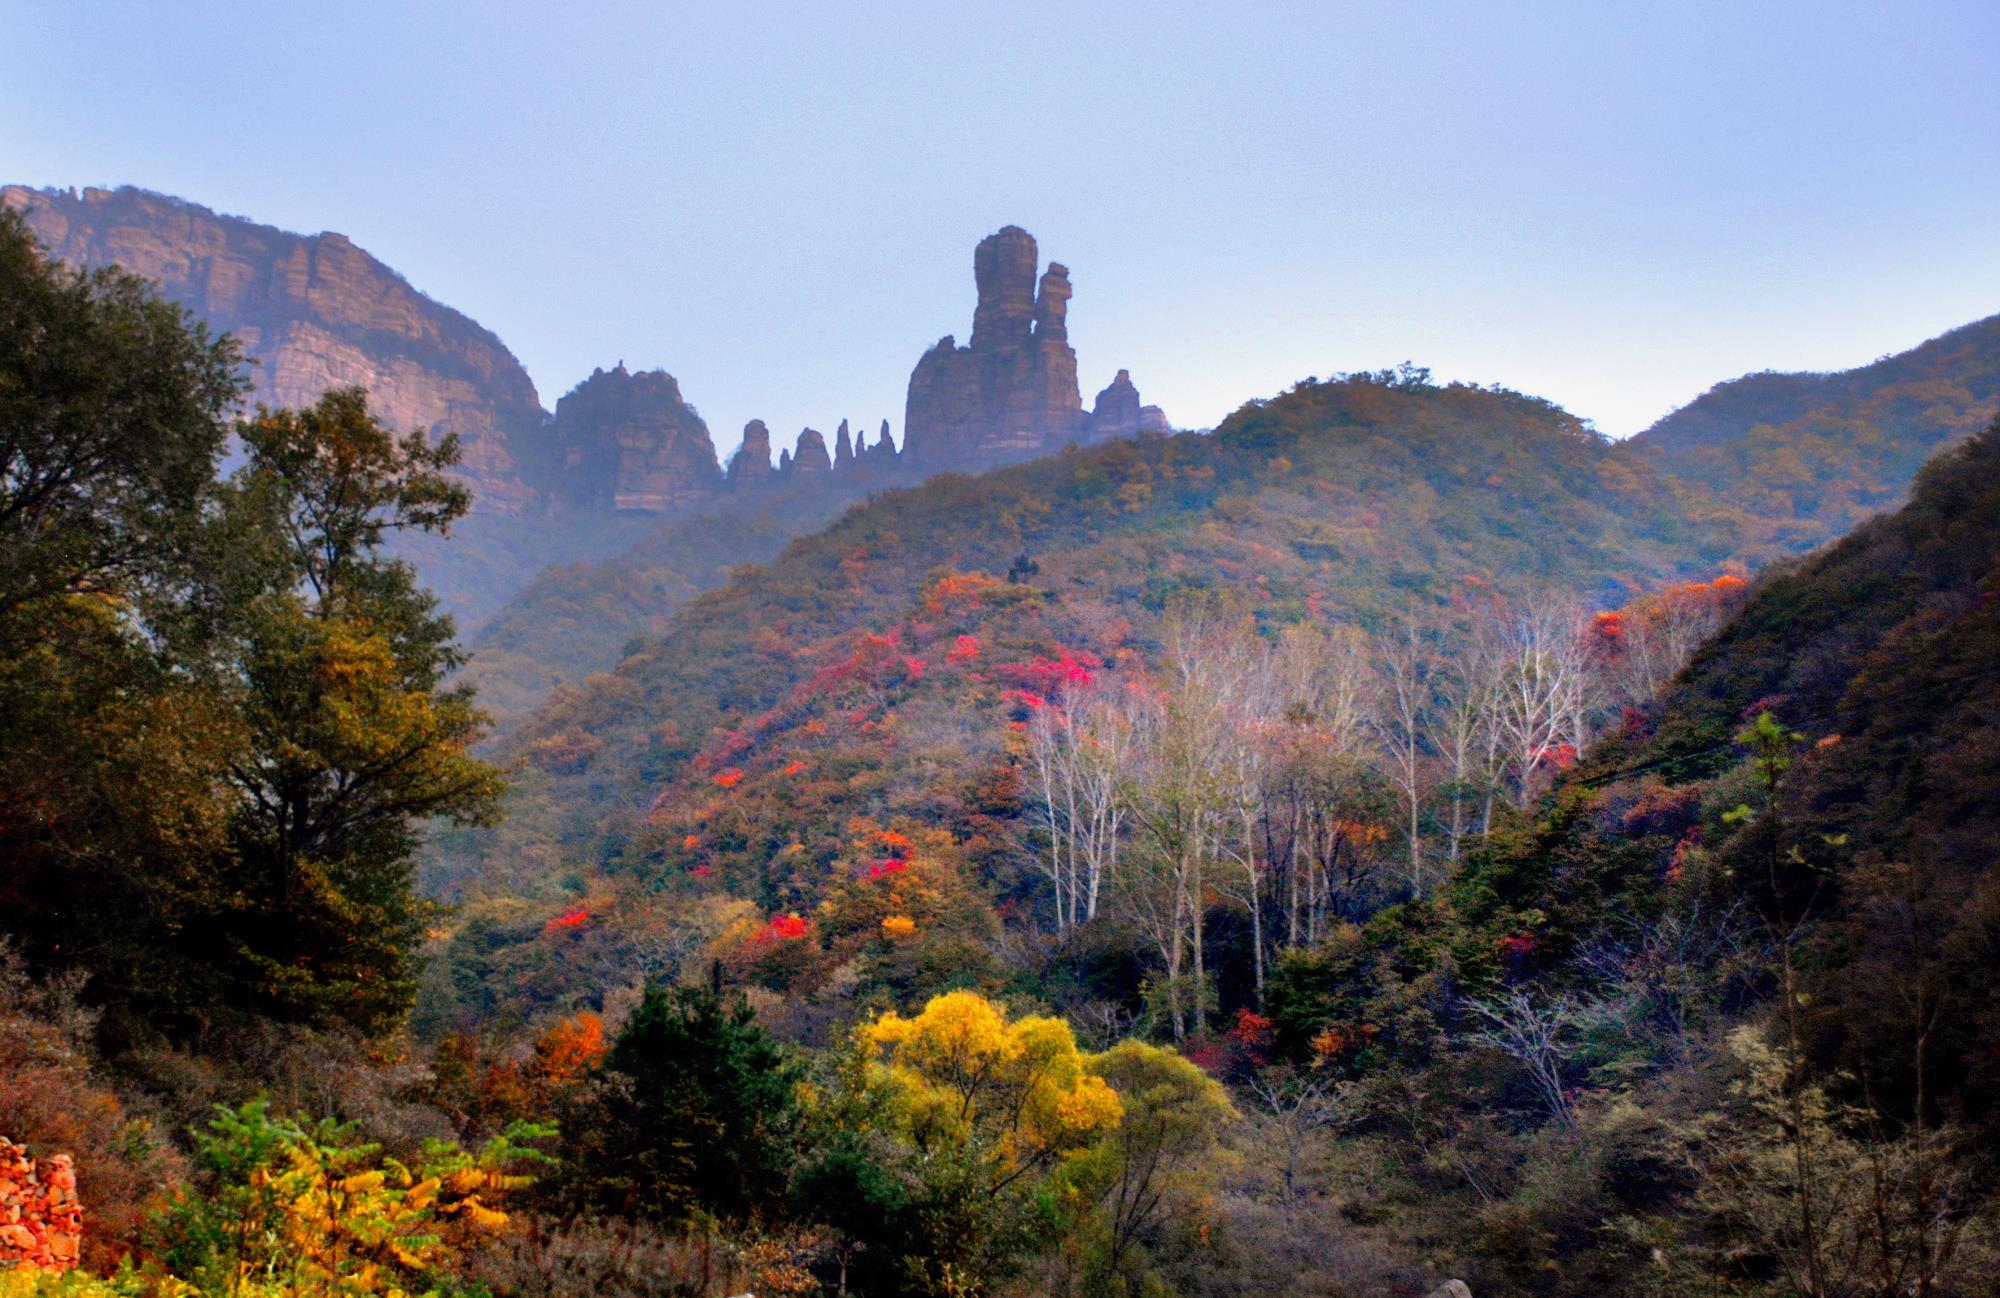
(41,1218)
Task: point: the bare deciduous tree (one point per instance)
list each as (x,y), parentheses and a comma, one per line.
(1078,747)
(1537,1035)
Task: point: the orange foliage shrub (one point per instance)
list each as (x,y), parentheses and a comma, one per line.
(493,1090)
(565,753)
(960,590)
(779,953)
(570,1049)
(783,928)
(1072,669)
(573,918)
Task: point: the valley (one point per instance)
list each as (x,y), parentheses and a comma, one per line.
(1398,834)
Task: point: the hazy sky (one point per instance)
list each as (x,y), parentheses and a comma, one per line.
(1610,205)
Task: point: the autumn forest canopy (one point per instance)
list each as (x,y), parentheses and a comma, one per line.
(1396,835)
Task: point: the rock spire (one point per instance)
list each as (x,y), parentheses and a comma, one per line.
(752,461)
(1011,393)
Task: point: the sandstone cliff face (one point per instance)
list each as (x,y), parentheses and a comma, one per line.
(629,442)
(317,312)
(1012,393)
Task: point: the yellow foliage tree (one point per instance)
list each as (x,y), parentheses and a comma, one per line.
(969,1078)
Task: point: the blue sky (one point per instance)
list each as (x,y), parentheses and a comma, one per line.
(1609,205)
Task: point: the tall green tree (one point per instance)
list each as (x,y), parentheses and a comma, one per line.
(224,714)
(697,1111)
(337,663)
(114,407)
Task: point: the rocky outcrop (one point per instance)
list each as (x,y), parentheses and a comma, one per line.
(1012,393)
(317,312)
(629,442)
(880,457)
(1116,411)
(1003,273)
(810,456)
(1052,304)
(752,461)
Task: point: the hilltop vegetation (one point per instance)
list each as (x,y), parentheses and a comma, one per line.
(1809,456)
(1704,1007)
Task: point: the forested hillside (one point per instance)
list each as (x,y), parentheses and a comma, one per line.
(1771,464)
(1880,659)
(1739,957)
(1809,456)
(1348,501)
(1508,964)
(574,620)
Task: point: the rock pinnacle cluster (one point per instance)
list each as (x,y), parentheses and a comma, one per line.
(316,312)
(1011,393)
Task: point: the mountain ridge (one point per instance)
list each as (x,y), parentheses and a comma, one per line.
(1817,453)
(315,312)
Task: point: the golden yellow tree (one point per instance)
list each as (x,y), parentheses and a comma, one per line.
(969,1078)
